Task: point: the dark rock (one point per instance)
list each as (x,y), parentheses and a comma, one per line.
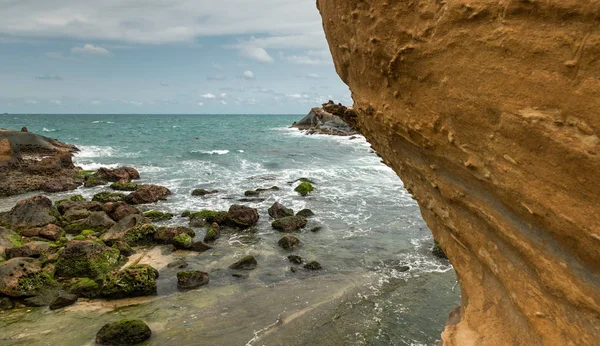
(93,180)
(83,287)
(63,299)
(23,277)
(135,281)
(252,199)
(59,184)
(75,214)
(295,259)
(278,210)
(314,265)
(32,249)
(199,246)
(124,210)
(246,263)
(403,269)
(323,121)
(86,259)
(305,213)
(124,186)
(124,248)
(6,303)
(121,174)
(242,216)
(97,221)
(316,229)
(240,275)
(182,241)
(179,263)
(203,192)
(251,193)
(190,279)
(65,205)
(107,196)
(213,233)
(140,235)
(165,235)
(118,231)
(437,251)
(201,218)
(44,298)
(272,188)
(288,242)
(289,223)
(186,213)
(52,232)
(148,193)
(124,332)
(32,212)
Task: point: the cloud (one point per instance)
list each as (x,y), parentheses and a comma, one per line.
(313,76)
(208,96)
(312,57)
(57,56)
(249,75)
(136,103)
(223,102)
(48,77)
(218,77)
(56,102)
(90,49)
(31,102)
(257,53)
(223,95)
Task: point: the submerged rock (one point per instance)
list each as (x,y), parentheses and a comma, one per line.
(124,332)
(289,223)
(242,216)
(316,229)
(288,242)
(305,213)
(246,263)
(213,233)
(86,259)
(278,210)
(135,281)
(313,265)
(203,192)
(178,263)
(148,193)
(295,259)
(191,279)
(199,246)
(63,299)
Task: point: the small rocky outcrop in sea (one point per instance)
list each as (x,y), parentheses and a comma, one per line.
(241,216)
(203,192)
(32,212)
(278,210)
(288,242)
(312,265)
(289,223)
(134,281)
(304,188)
(124,332)
(325,120)
(246,263)
(305,213)
(190,279)
(148,193)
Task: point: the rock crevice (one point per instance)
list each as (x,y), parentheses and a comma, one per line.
(489,112)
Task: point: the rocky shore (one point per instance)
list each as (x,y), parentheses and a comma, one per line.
(327,120)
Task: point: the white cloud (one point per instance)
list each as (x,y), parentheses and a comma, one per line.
(200,103)
(249,75)
(90,49)
(312,57)
(208,96)
(313,76)
(56,102)
(223,102)
(56,55)
(223,95)
(257,53)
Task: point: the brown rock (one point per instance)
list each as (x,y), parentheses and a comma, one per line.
(119,210)
(278,210)
(30,232)
(51,232)
(489,113)
(59,184)
(121,174)
(242,216)
(32,212)
(148,193)
(165,235)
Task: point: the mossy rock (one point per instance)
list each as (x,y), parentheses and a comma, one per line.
(156,215)
(135,281)
(212,234)
(123,248)
(140,235)
(124,186)
(77,198)
(313,265)
(304,188)
(93,180)
(305,213)
(106,196)
(210,216)
(190,279)
(86,259)
(88,232)
(83,287)
(165,235)
(182,241)
(246,263)
(289,223)
(186,213)
(437,250)
(79,237)
(124,332)
(23,277)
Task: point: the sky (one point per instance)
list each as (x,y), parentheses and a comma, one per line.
(165,56)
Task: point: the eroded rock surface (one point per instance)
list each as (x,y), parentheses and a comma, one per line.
(489,112)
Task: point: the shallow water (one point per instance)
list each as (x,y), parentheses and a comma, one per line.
(371,227)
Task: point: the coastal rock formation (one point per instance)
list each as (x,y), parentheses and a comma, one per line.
(324,121)
(489,112)
(30,162)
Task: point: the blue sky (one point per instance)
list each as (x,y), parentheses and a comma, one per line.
(164,56)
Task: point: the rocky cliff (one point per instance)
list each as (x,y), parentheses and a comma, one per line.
(489,111)
(326,120)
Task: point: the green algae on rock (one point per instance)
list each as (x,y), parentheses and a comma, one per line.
(190,279)
(124,332)
(86,259)
(107,196)
(182,241)
(134,281)
(156,215)
(304,188)
(120,186)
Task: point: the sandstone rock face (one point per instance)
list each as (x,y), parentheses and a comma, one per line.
(489,112)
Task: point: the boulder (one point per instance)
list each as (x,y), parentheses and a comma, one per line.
(278,210)
(97,221)
(121,174)
(23,277)
(203,192)
(6,303)
(156,215)
(83,287)
(124,248)
(305,213)
(148,193)
(124,332)
(119,186)
(190,279)
(313,265)
(289,223)
(32,212)
(316,229)
(288,242)
(251,193)
(64,205)
(213,233)
(178,263)
(304,188)
(182,241)
(33,249)
(140,235)
(75,214)
(295,259)
(165,235)
(86,259)
(51,232)
(63,299)
(135,281)
(242,216)
(93,181)
(118,231)
(246,263)
(201,218)
(59,184)
(199,246)
(122,210)
(9,239)
(107,196)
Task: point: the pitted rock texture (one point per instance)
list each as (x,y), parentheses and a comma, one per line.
(489,111)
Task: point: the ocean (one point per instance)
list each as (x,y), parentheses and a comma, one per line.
(370,229)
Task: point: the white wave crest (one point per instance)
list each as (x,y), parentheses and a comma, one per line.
(211,152)
(86,151)
(49,130)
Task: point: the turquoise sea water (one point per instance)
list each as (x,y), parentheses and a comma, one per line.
(371,227)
